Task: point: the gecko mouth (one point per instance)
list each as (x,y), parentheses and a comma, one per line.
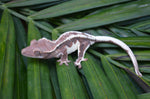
(28,55)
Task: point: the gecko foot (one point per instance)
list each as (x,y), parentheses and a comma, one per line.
(79,60)
(63,61)
(84,59)
(78,64)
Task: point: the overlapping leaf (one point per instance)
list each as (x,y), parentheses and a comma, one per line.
(110,15)
(37,72)
(7,57)
(3,37)
(141,55)
(20,3)
(73,6)
(71,86)
(21,62)
(20,89)
(98,78)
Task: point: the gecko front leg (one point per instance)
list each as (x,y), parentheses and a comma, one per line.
(81,52)
(64,57)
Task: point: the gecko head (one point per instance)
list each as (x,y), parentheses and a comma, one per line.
(38,48)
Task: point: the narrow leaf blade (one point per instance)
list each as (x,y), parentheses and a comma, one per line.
(20,3)
(68,7)
(110,15)
(97,80)
(33,68)
(70,83)
(9,59)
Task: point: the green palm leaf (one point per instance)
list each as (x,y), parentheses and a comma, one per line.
(70,82)
(98,82)
(21,62)
(21,3)
(110,15)
(7,59)
(68,7)
(108,73)
(33,69)
(37,72)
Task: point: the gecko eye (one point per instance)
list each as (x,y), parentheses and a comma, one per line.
(37,53)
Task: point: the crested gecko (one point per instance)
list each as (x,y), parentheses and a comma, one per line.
(69,42)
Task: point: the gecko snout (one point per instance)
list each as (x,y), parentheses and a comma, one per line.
(23,51)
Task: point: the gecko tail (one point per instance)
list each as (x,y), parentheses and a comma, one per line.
(123,46)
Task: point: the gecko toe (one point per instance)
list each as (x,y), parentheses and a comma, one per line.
(84,59)
(60,63)
(79,66)
(63,62)
(59,60)
(76,64)
(66,63)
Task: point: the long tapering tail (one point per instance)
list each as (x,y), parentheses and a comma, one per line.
(123,46)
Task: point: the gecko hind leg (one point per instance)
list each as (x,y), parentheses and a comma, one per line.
(81,52)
